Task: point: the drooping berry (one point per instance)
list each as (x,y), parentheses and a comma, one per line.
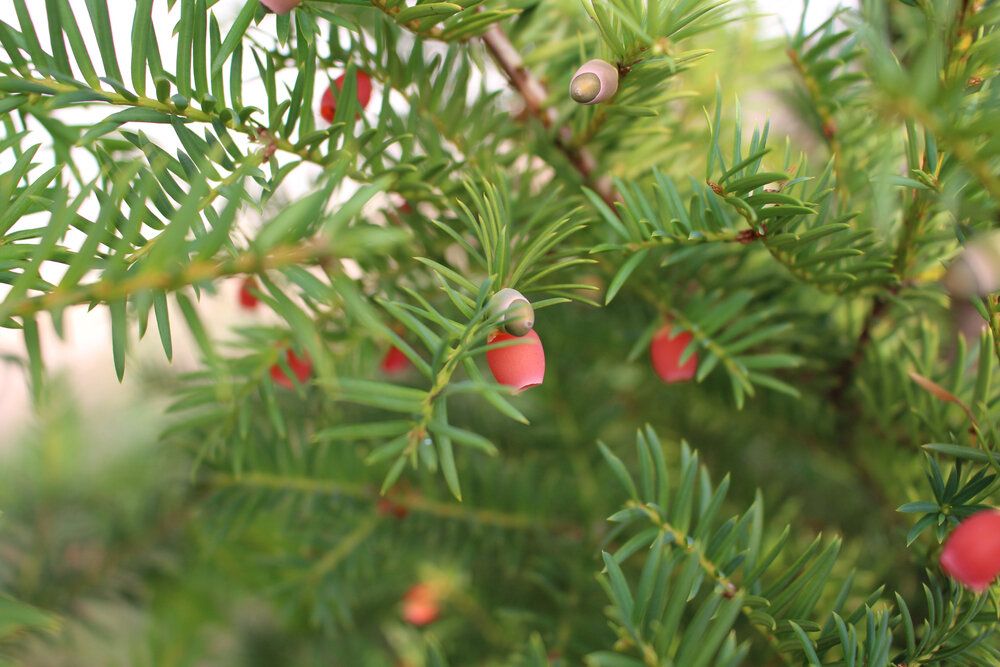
(280,6)
(517,317)
(301,367)
(248,300)
(421,605)
(519,362)
(971,554)
(394,362)
(665,352)
(328,105)
(594,82)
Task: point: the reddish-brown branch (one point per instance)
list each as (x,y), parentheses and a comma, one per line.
(845,371)
(534,94)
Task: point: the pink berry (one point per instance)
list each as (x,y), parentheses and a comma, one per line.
(594,82)
(420,605)
(280,6)
(665,352)
(328,105)
(520,365)
(971,554)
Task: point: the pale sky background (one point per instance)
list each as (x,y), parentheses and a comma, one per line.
(84,358)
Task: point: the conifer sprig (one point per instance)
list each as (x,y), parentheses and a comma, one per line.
(805,279)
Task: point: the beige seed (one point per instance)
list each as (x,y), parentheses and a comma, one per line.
(585,87)
(520,318)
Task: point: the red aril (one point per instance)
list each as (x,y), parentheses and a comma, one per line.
(971,554)
(665,353)
(301,368)
(519,364)
(328,104)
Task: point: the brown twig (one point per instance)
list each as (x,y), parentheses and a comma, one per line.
(314,251)
(828,124)
(845,372)
(534,94)
(413,502)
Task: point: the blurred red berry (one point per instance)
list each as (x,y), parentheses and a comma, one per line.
(420,605)
(248,300)
(405,207)
(519,365)
(971,554)
(394,362)
(386,507)
(301,368)
(328,105)
(665,352)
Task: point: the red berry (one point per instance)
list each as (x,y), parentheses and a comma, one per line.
(665,352)
(328,105)
(520,365)
(301,368)
(420,605)
(248,299)
(971,553)
(394,362)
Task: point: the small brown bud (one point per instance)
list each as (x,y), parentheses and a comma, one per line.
(751,235)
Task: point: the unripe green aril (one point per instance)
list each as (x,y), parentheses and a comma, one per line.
(162,90)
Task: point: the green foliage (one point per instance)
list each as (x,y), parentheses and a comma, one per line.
(270,524)
(722,569)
